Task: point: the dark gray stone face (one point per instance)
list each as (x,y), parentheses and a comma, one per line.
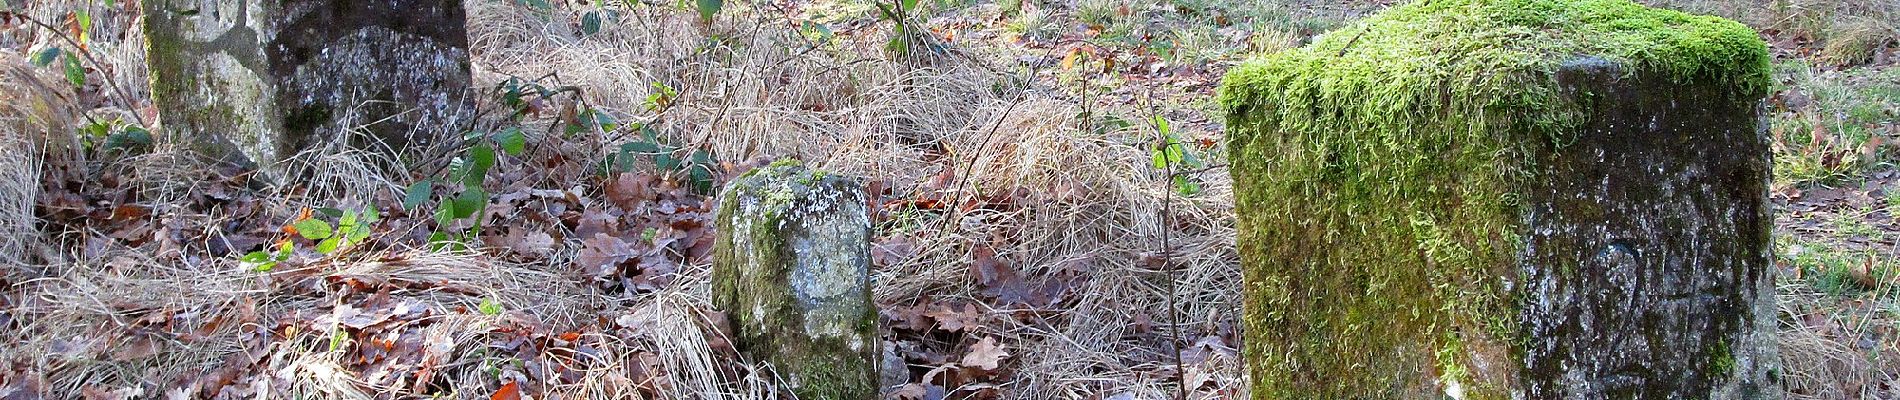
(1646,268)
(252,82)
(791,268)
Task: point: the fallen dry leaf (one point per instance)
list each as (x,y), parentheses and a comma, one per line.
(510,391)
(985,354)
(601,254)
(955,319)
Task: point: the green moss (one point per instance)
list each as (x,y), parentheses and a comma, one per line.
(1377,172)
(786,162)
(1721,359)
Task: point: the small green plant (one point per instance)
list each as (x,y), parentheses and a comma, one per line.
(708,9)
(264,261)
(1172,156)
(115,135)
(489,307)
(819,34)
(597,13)
(1009,7)
(351,228)
(70,65)
(697,167)
(903,35)
(469,169)
(661,97)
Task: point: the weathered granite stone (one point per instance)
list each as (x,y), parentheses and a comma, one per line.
(1507,199)
(791,267)
(252,82)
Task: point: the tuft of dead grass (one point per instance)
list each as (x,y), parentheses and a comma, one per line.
(1833,352)
(35,116)
(1861,39)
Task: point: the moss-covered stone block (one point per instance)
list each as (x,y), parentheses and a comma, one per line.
(1496,199)
(791,268)
(251,82)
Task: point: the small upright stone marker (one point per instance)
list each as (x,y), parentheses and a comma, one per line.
(1507,199)
(251,82)
(791,267)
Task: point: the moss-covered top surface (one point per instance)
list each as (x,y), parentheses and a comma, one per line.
(1379,174)
(1471,55)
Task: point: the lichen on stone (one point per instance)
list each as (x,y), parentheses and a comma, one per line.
(791,267)
(1382,168)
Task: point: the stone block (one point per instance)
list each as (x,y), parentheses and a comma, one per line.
(1499,199)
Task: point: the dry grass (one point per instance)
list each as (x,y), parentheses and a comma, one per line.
(31,110)
(1835,349)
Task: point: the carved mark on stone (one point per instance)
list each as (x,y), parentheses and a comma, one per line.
(237,34)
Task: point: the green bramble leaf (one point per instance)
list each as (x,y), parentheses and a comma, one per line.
(445,213)
(606,122)
(85,25)
(417,194)
(1185,186)
(489,307)
(512,141)
(259,261)
(590,22)
(330,245)
(313,229)
(470,202)
(132,137)
(440,241)
(46,57)
(665,161)
(75,73)
(481,158)
(708,8)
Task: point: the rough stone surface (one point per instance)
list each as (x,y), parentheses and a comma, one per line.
(252,82)
(791,268)
(1507,199)
(1647,261)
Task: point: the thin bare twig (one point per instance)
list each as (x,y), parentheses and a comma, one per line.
(1167,249)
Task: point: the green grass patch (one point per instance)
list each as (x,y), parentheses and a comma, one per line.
(1826,130)
(1835,271)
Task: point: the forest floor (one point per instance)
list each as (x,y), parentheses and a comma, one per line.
(1009,147)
